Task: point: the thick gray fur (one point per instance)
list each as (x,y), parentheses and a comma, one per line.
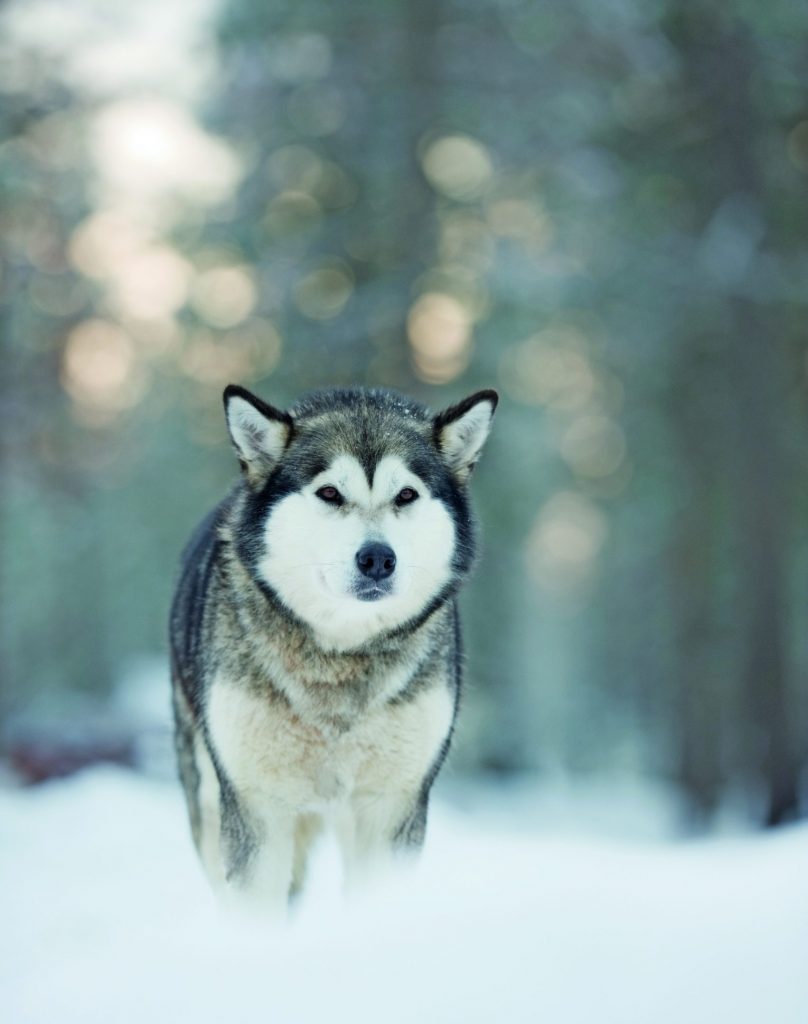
(227,623)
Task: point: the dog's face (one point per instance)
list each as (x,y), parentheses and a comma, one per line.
(356,516)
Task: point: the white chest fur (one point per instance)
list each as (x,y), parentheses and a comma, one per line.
(277,762)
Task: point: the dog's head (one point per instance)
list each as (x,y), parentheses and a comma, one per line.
(355,513)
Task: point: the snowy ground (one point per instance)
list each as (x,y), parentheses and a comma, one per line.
(106,918)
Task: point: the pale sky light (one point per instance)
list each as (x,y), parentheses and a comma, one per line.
(110,49)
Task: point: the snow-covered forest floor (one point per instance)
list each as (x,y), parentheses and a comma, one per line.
(106,918)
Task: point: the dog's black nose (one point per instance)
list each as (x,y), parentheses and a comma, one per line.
(376,561)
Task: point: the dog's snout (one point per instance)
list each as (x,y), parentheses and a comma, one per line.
(376,561)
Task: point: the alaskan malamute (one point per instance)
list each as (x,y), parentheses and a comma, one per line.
(315,644)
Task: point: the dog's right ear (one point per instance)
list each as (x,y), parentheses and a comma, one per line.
(259,432)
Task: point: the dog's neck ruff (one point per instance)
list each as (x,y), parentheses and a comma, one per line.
(387,640)
(327,688)
(348,638)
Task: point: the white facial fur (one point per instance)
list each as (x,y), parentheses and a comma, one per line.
(311,546)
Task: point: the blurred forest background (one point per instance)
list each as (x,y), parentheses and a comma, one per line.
(597,206)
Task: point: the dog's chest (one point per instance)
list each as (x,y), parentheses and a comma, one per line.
(274,757)
(330,693)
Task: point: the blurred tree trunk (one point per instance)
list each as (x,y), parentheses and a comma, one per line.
(720,62)
(408,242)
(422,108)
(698,713)
(761,507)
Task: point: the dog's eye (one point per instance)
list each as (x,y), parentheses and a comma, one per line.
(406,496)
(330,494)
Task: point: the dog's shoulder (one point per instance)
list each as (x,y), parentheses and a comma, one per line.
(191,599)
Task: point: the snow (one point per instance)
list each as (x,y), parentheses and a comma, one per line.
(107,918)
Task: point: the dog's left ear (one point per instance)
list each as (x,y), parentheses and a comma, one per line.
(259,431)
(460,431)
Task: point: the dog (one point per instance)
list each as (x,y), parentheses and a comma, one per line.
(314,633)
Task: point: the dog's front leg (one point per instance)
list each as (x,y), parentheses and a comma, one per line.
(259,873)
(376,830)
(270,880)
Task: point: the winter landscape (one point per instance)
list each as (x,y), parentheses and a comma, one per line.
(107,918)
(596,207)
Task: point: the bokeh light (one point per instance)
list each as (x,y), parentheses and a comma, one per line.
(439,329)
(458,166)
(224,296)
(564,543)
(100,371)
(323,293)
